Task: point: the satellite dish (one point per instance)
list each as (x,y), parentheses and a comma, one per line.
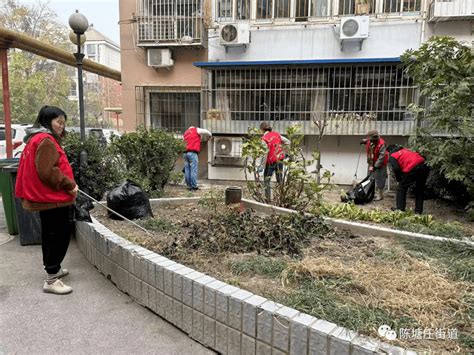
(350,27)
(223,146)
(229,33)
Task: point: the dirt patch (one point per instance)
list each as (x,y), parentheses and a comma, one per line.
(354,281)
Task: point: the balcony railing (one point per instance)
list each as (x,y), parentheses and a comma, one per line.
(444,10)
(351,99)
(164,23)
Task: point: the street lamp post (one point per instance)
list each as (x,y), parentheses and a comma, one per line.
(79,24)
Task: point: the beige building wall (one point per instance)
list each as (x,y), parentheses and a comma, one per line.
(135,71)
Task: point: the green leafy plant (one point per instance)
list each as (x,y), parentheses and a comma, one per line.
(409,221)
(297,188)
(101,172)
(147,157)
(442,68)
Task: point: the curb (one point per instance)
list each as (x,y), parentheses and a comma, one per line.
(357,226)
(222,317)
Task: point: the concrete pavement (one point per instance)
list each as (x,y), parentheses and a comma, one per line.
(95,319)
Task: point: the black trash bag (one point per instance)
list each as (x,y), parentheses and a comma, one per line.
(81,209)
(129,200)
(363,192)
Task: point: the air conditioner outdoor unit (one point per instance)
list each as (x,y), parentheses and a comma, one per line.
(227,151)
(159,58)
(354,27)
(234,34)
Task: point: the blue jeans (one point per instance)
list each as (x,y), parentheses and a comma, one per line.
(190,169)
(276,168)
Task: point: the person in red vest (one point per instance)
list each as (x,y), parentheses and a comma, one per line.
(192,138)
(45,183)
(409,168)
(377,158)
(275,154)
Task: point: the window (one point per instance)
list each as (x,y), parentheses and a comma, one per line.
(264,9)
(357,7)
(378,91)
(224,10)
(282,8)
(91,50)
(320,8)
(174,111)
(73,89)
(302,9)
(243,9)
(171,20)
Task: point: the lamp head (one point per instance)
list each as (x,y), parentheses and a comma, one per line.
(73,38)
(78,23)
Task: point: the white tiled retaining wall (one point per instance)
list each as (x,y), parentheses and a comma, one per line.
(220,316)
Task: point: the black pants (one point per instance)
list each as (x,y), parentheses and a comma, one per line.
(417,176)
(56,226)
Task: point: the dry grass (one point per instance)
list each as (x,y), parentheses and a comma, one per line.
(404,286)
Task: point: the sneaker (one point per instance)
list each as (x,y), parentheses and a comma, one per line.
(194,188)
(57,287)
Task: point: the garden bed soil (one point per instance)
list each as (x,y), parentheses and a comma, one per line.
(441,210)
(359,282)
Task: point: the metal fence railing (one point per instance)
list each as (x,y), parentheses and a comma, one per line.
(451,9)
(350,99)
(169,22)
(306,10)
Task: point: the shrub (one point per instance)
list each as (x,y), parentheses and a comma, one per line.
(148,157)
(101,172)
(297,188)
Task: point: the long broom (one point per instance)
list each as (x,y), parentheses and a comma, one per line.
(354,179)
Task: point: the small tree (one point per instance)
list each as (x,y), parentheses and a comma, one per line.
(442,68)
(297,189)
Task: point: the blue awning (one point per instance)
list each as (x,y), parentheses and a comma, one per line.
(296,62)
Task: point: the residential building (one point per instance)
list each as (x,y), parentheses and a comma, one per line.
(307,61)
(283,61)
(99,92)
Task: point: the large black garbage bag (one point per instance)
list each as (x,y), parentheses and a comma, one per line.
(362,193)
(129,200)
(81,209)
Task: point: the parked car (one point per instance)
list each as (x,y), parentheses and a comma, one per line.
(18,133)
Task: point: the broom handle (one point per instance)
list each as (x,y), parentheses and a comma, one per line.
(358,160)
(118,214)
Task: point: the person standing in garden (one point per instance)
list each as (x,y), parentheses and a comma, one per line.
(377,159)
(45,183)
(409,168)
(275,155)
(192,138)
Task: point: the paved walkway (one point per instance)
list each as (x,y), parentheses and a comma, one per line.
(95,319)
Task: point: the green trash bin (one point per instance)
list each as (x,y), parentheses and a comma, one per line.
(8,170)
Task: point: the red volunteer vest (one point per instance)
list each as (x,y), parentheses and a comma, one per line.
(275,153)
(28,184)
(407,159)
(192,139)
(377,151)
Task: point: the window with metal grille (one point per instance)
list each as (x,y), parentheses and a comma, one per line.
(301,10)
(169,20)
(174,111)
(378,92)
